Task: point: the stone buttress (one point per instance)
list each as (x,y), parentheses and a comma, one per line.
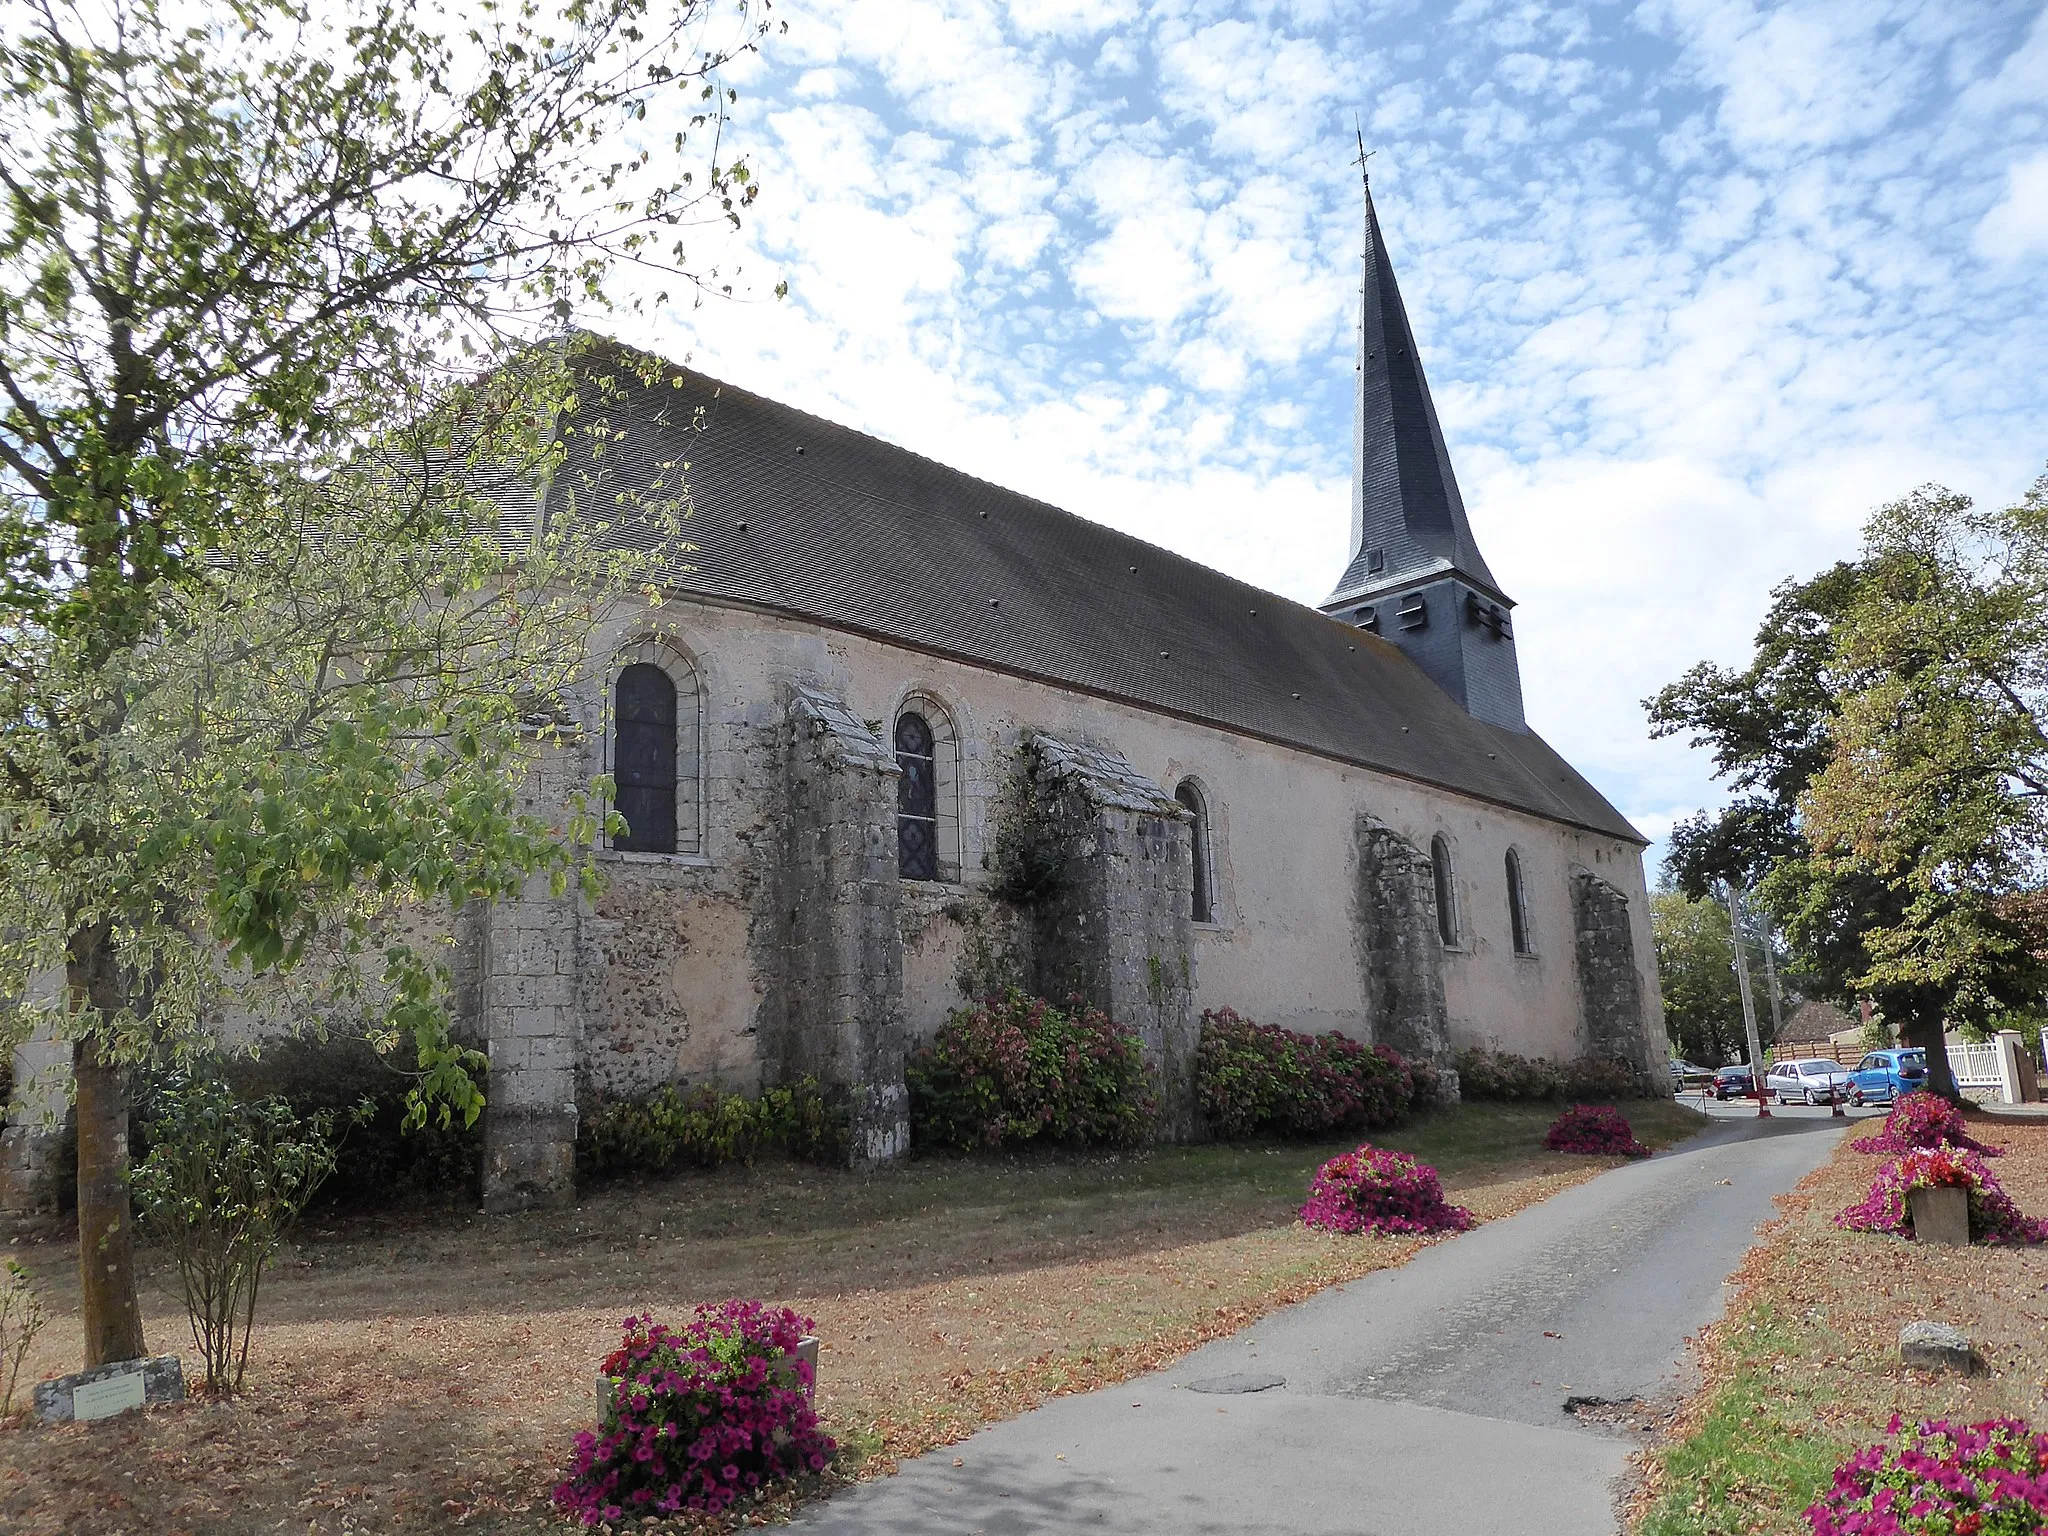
(826,939)
(1120,932)
(1400,950)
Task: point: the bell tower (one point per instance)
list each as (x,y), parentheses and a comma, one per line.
(1416,577)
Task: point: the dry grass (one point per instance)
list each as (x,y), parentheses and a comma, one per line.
(428,1374)
(1805,1367)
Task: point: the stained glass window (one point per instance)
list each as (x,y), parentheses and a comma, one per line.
(917,800)
(644,759)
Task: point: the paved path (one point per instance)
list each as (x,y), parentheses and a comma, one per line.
(1420,1400)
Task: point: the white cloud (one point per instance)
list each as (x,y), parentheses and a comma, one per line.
(2017,226)
(1696,284)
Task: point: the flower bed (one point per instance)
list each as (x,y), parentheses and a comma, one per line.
(699,1417)
(1016,1069)
(1993,1216)
(1259,1079)
(1597,1130)
(1374,1190)
(1941,1479)
(1922,1119)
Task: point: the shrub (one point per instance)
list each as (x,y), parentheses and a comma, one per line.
(1016,1069)
(1504,1077)
(1941,1479)
(1919,1120)
(1993,1216)
(1598,1130)
(707,1126)
(379,1162)
(1590,1079)
(1374,1190)
(1259,1079)
(1425,1084)
(21,1318)
(222,1184)
(699,1417)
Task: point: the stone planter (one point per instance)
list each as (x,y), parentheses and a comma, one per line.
(806,1350)
(1940,1216)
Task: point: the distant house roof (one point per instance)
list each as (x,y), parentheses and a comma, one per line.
(800,515)
(1815,1023)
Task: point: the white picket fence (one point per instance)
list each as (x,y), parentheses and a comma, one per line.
(1975,1066)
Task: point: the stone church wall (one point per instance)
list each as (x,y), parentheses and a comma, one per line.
(784,942)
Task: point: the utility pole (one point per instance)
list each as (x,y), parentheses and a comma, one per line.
(1771,981)
(1756,1049)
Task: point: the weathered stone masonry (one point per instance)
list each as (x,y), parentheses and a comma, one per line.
(1610,986)
(825,925)
(1400,952)
(1121,930)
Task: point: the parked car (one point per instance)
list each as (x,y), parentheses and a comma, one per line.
(1686,1074)
(1736,1082)
(1809,1082)
(1883,1075)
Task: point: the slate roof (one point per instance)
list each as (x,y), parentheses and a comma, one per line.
(1404,494)
(797,514)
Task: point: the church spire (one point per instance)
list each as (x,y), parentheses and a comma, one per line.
(1415,574)
(1407,518)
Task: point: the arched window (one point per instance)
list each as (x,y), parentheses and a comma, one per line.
(917,799)
(656,727)
(1204,885)
(644,759)
(1518,911)
(1446,890)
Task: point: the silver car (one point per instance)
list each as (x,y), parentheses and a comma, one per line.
(1810,1082)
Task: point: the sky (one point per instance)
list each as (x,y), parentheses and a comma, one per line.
(1697,284)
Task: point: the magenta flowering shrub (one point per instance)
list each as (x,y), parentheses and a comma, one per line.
(1923,1119)
(1263,1080)
(699,1417)
(1016,1069)
(1993,1216)
(1598,1130)
(1941,1479)
(1374,1190)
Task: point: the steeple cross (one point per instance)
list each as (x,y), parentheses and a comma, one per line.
(1364,154)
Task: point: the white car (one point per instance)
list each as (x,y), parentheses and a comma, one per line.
(1810,1082)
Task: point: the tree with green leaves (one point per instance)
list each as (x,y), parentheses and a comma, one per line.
(1938,777)
(1773,727)
(280,633)
(1696,975)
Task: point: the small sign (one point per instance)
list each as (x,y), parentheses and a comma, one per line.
(104,1399)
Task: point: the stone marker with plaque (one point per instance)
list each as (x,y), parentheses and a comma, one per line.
(106,1390)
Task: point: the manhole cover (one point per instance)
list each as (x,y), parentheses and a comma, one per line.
(1239,1382)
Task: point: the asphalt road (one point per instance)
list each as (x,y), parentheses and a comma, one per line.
(1428,1400)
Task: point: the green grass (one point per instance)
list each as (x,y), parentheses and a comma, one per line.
(1757,1446)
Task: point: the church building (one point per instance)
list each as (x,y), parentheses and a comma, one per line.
(895,732)
(895,735)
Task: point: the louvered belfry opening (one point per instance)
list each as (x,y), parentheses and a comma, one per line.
(917,799)
(644,759)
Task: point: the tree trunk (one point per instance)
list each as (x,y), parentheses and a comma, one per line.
(1923,1029)
(108,1303)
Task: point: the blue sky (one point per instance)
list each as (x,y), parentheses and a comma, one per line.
(1697,283)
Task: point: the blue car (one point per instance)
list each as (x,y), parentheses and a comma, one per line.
(1882,1076)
